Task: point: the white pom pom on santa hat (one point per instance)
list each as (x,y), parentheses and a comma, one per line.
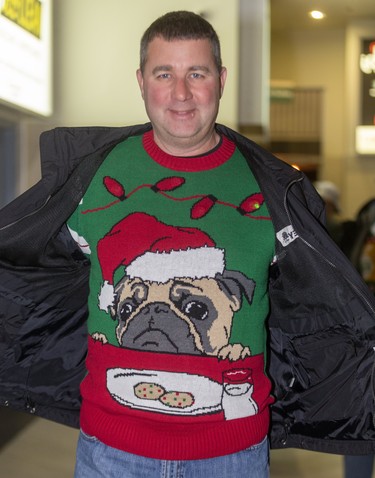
(157,252)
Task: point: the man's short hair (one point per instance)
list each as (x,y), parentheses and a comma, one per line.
(181,25)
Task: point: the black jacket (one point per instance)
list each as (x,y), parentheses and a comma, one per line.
(321,324)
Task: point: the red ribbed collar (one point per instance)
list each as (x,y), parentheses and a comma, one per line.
(212,159)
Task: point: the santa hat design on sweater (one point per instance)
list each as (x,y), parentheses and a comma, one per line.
(154,251)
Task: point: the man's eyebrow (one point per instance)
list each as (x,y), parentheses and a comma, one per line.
(160,68)
(200,68)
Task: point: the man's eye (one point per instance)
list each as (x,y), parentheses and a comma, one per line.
(196,310)
(196,76)
(164,76)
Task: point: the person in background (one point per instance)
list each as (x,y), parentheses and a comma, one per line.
(363,250)
(331,196)
(180,275)
(341,230)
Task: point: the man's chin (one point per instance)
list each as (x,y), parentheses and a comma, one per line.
(184,135)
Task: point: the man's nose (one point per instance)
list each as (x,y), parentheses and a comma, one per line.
(182,90)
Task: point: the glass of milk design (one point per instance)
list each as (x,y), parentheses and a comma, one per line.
(237,400)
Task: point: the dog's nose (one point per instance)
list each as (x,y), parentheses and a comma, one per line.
(158,315)
(157,309)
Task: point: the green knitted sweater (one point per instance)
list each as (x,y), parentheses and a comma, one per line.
(180,250)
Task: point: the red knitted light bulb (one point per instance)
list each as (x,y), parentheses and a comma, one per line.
(114,187)
(202,207)
(168,184)
(252,203)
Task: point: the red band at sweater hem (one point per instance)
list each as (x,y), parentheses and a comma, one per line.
(167,442)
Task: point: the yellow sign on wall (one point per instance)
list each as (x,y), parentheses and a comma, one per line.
(25,55)
(25,13)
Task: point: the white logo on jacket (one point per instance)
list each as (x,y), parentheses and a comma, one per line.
(287,235)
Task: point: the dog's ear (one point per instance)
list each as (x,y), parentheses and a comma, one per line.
(112,311)
(117,294)
(237,284)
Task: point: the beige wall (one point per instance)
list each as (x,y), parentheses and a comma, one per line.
(320,59)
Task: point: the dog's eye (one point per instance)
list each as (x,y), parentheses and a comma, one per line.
(196,310)
(126,310)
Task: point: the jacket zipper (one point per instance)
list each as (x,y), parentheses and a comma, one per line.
(27,215)
(318,252)
(284,439)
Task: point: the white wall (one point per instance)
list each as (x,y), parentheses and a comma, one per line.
(97,54)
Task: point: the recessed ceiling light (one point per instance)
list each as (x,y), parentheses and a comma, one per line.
(316,15)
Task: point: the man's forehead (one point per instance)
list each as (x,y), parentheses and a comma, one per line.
(194,54)
(161,45)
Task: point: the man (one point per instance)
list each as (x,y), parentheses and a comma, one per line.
(179,300)
(192,239)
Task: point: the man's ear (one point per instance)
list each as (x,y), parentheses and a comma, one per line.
(223,78)
(140,81)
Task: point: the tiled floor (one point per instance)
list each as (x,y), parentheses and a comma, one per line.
(40,449)
(37,448)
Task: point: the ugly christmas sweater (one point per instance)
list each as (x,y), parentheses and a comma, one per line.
(180,250)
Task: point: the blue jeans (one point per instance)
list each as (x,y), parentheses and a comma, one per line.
(360,466)
(94,460)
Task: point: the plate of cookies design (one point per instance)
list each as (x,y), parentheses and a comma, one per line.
(165,392)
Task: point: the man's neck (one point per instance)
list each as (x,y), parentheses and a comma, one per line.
(185,147)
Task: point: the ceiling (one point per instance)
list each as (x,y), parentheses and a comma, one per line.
(293,14)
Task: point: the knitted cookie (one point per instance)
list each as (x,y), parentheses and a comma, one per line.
(177,399)
(148,391)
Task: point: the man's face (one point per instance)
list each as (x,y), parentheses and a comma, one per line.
(181,88)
